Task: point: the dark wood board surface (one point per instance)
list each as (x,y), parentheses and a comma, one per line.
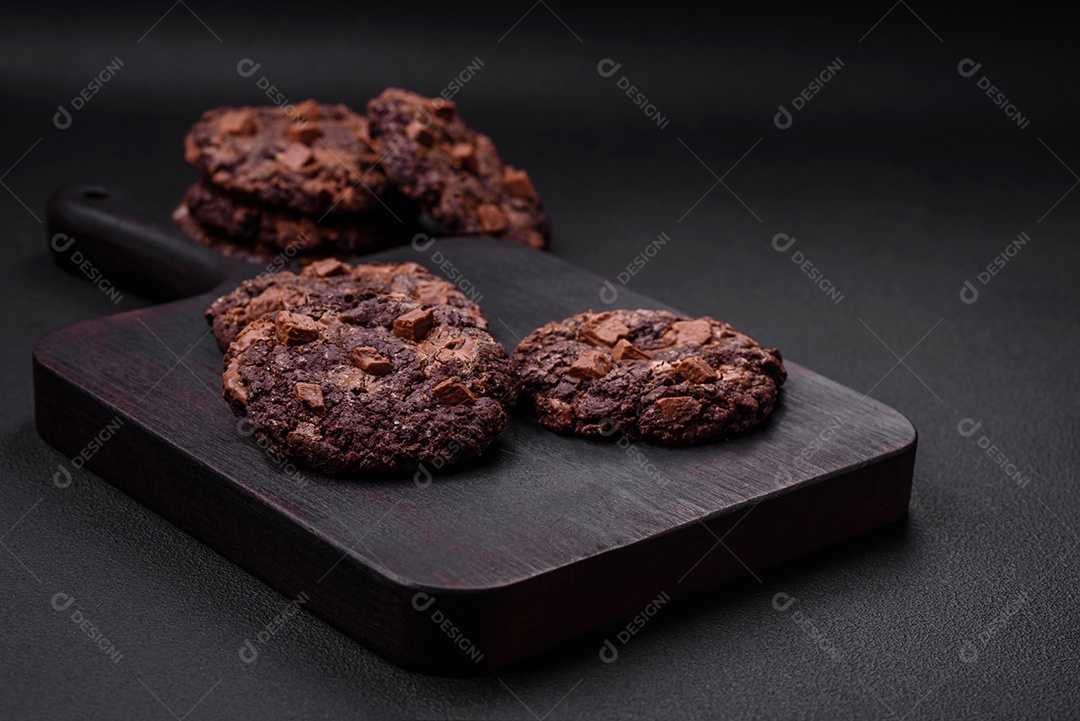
(548,538)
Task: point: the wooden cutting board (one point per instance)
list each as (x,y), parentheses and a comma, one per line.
(547,538)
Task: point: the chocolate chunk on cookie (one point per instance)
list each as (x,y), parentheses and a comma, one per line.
(317,160)
(348,394)
(453,172)
(650,374)
(222,214)
(330,284)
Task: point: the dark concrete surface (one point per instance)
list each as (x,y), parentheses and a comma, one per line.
(899,181)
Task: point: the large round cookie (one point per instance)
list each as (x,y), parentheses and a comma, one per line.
(453,172)
(329,284)
(317,160)
(647,374)
(221,214)
(380,389)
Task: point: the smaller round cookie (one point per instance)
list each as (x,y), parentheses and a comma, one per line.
(243,220)
(379,389)
(647,374)
(327,284)
(317,160)
(453,172)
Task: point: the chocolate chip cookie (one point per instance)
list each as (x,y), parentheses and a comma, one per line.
(218,213)
(317,160)
(647,374)
(330,284)
(453,172)
(388,385)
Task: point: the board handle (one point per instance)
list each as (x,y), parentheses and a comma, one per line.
(98,232)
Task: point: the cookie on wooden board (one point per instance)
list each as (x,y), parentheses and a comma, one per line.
(647,374)
(388,385)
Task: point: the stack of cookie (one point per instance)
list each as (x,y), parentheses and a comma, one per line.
(325,180)
(380,369)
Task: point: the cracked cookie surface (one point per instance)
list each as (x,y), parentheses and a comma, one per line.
(319,159)
(453,172)
(647,374)
(381,388)
(327,284)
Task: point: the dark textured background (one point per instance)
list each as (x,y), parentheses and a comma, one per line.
(899,181)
